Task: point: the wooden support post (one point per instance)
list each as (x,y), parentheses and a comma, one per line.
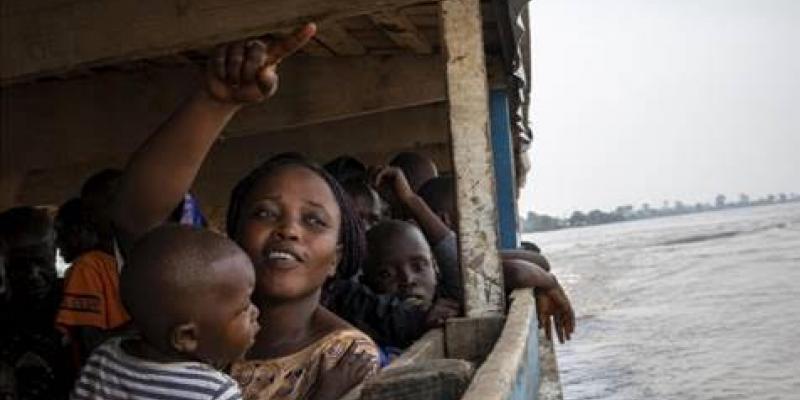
(468,104)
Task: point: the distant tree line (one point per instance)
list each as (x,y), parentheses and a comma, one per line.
(533,222)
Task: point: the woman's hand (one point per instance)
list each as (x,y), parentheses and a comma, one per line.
(348,372)
(554,311)
(245,72)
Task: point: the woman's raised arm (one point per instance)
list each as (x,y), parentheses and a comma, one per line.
(163,168)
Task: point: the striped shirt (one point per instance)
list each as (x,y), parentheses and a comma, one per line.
(112,374)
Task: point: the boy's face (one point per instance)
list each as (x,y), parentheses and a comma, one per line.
(31,273)
(228,320)
(404,267)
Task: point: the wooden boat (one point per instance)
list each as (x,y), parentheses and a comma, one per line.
(83,83)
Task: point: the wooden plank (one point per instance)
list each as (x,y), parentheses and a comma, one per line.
(472,339)
(52,173)
(10,184)
(429,347)
(336,38)
(440,379)
(468,102)
(112,112)
(316,49)
(402,31)
(505,182)
(511,371)
(40,37)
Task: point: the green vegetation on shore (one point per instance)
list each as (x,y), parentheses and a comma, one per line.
(534,222)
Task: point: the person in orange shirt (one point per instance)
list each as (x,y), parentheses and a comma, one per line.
(91,309)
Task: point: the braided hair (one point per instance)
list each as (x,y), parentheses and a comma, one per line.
(351,234)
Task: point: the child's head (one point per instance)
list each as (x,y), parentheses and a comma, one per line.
(399,262)
(74,232)
(345,168)
(29,239)
(438,194)
(188,292)
(97,195)
(417,168)
(370,207)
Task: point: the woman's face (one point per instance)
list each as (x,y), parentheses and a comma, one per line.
(289,226)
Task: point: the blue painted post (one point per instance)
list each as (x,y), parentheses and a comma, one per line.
(505,185)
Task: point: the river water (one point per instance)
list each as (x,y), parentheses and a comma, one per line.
(701,306)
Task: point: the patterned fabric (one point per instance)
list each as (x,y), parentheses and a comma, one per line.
(111,373)
(293,376)
(91,293)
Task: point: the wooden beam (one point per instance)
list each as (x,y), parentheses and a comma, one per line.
(67,122)
(468,102)
(316,49)
(402,31)
(38,38)
(372,138)
(336,38)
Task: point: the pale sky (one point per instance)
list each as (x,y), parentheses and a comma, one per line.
(651,100)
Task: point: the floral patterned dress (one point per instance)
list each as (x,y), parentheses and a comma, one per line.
(293,376)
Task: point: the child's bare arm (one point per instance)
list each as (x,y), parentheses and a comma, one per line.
(518,274)
(161,171)
(435,230)
(527,255)
(392,178)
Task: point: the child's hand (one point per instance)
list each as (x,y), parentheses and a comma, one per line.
(391,184)
(350,370)
(245,71)
(554,303)
(441,310)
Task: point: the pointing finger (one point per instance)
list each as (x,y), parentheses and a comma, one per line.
(282,48)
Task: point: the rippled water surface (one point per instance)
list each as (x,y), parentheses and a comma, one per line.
(702,306)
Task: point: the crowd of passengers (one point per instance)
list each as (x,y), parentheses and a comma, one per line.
(322,276)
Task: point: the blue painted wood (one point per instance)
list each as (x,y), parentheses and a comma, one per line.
(526,386)
(505,185)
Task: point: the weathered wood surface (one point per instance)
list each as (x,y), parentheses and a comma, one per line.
(402,31)
(336,38)
(467,95)
(437,379)
(316,49)
(111,113)
(428,347)
(472,339)
(39,37)
(373,138)
(511,369)
(549,379)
